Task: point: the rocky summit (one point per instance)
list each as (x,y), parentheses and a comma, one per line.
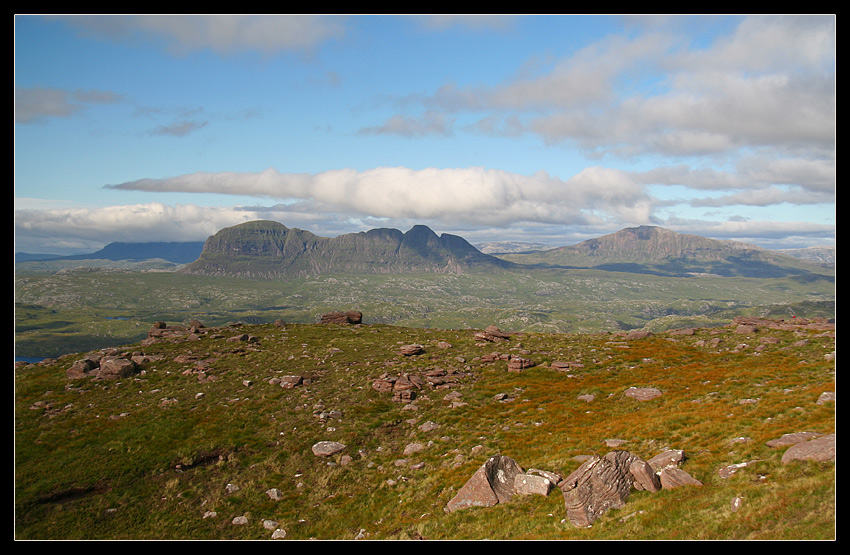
(270,250)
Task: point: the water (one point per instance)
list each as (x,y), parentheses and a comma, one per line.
(31,360)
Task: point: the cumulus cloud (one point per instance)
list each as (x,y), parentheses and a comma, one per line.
(770,83)
(473,194)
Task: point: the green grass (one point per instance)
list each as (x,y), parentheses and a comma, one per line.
(75,311)
(111,460)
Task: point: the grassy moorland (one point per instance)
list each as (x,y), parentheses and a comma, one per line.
(76,310)
(199,435)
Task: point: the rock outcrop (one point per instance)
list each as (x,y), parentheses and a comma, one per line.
(598,485)
(348,317)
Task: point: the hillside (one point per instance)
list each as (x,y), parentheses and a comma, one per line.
(338,432)
(655,250)
(267,250)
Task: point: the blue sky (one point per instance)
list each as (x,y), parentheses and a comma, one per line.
(546,128)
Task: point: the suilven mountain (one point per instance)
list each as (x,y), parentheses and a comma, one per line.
(268,250)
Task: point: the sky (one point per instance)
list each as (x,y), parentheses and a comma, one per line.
(542,128)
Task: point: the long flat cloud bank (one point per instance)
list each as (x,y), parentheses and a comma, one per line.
(469,195)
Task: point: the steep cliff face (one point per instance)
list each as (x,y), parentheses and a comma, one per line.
(265,249)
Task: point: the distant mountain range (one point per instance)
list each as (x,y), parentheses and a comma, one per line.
(268,250)
(179,252)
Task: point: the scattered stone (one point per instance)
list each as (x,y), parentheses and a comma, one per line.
(275,495)
(240,520)
(736,504)
(411,350)
(587,397)
(278,534)
(327,448)
(826,397)
(728,471)
(290,382)
(270,524)
(428,426)
(411,448)
(643,393)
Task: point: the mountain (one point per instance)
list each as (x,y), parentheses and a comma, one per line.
(177,252)
(655,250)
(266,249)
(825,256)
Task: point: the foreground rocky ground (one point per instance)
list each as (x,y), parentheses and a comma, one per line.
(454,422)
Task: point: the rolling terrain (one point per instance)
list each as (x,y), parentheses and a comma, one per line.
(220,433)
(215,431)
(263,271)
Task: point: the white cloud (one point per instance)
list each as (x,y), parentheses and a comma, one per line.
(480,195)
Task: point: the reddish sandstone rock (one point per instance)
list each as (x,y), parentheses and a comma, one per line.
(491,484)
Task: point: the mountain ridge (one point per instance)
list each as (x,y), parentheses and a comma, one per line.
(268,249)
(656,250)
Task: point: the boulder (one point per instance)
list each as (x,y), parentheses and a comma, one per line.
(645,477)
(531,484)
(492,334)
(676,477)
(411,350)
(327,448)
(80,369)
(817,449)
(113,368)
(518,363)
(493,483)
(792,439)
(668,459)
(350,317)
(643,393)
(599,484)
